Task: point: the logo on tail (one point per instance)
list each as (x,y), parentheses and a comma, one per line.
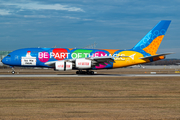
(151,42)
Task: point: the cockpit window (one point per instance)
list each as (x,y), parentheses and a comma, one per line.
(8,55)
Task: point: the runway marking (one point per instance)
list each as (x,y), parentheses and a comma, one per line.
(98,75)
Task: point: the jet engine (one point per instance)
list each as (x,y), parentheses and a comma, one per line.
(63,66)
(83,63)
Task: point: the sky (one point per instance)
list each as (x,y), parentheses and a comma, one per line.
(112,24)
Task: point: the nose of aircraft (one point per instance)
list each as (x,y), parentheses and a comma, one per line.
(4,61)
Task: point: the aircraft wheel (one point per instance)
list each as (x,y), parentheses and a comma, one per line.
(77,72)
(13,72)
(92,72)
(83,72)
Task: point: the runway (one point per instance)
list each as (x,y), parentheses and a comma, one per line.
(98,75)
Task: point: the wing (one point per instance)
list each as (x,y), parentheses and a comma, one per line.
(96,61)
(104,60)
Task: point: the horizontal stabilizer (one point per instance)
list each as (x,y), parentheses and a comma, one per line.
(155,56)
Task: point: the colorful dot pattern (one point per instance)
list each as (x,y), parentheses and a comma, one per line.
(150,42)
(153,47)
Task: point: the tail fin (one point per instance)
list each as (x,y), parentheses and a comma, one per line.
(150,43)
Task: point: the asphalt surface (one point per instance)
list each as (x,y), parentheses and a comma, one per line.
(97,75)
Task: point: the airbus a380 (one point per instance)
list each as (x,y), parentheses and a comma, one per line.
(87,60)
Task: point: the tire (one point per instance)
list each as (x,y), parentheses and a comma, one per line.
(77,72)
(92,72)
(13,72)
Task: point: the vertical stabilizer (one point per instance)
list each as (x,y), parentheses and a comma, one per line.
(151,42)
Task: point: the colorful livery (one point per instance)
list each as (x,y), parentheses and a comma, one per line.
(62,59)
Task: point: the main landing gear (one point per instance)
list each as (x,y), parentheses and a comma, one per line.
(85,72)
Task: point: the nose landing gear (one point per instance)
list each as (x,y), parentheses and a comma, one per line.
(13,71)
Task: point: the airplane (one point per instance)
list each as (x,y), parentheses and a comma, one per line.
(87,60)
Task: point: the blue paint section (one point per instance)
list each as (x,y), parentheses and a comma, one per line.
(109,66)
(158,30)
(14,58)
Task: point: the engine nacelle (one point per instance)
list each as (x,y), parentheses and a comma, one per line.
(63,66)
(83,63)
